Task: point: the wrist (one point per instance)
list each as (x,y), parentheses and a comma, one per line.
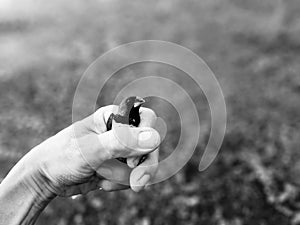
(37,184)
(23,194)
(32,177)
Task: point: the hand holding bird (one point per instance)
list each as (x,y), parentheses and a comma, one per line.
(128,113)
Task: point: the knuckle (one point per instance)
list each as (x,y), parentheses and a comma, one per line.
(108,109)
(101,116)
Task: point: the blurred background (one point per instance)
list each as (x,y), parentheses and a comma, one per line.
(252,46)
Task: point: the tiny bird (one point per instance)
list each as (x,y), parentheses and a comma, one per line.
(128,113)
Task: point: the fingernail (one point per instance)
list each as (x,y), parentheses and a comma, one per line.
(132,162)
(148,139)
(145,179)
(106,185)
(136,161)
(140,184)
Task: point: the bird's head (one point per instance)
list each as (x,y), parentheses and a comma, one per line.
(133,102)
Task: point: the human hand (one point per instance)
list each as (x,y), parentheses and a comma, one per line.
(66,164)
(68,161)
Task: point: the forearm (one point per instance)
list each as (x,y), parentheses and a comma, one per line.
(23,195)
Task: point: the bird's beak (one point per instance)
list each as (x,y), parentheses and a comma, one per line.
(138,102)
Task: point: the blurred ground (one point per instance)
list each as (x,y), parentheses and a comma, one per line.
(252,46)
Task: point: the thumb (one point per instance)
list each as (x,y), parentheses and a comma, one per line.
(125,141)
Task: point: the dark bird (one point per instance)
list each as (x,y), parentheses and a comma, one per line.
(128,113)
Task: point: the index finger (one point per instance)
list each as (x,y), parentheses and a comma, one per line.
(96,122)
